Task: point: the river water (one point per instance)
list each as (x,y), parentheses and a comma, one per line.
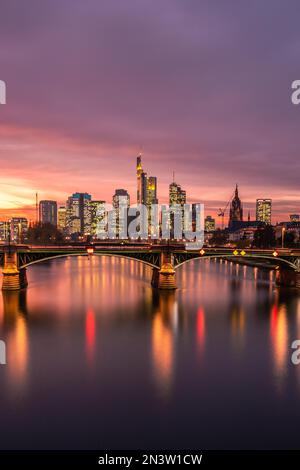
(97,359)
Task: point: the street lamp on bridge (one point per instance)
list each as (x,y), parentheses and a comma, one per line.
(282,236)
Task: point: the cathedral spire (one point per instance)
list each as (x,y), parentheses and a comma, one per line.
(236,209)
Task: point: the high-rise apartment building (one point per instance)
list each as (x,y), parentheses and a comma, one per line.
(122,197)
(209,224)
(98,216)
(264,210)
(176,194)
(121,203)
(18,229)
(61,218)
(177,199)
(48,212)
(78,217)
(4,231)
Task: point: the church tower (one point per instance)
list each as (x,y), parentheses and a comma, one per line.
(236,209)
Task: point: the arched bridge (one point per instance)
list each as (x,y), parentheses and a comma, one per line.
(163,258)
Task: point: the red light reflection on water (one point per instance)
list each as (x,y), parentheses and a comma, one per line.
(90,333)
(200,328)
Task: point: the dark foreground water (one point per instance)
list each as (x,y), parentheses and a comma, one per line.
(98,360)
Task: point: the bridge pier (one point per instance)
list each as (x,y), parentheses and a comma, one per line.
(288,278)
(13,278)
(164,277)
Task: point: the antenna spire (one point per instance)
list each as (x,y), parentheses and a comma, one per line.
(36,208)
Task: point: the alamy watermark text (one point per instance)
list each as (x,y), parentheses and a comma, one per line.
(2,353)
(2,92)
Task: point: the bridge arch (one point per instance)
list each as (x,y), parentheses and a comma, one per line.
(275,260)
(65,255)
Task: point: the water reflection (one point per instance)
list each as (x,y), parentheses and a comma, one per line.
(90,333)
(101,314)
(237,322)
(279,340)
(284,328)
(200,330)
(165,323)
(14,304)
(15,332)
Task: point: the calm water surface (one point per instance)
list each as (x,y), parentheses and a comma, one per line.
(96,359)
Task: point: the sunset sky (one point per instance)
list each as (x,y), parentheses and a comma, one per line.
(201,88)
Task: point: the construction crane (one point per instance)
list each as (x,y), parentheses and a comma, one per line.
(222,212)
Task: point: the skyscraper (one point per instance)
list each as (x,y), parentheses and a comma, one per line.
(141,181)
(98,216)
(294,218)
(176,194)
(61,218)
(18,228)
(48,212)
(151,191)
(236,210)
(177,197)
(4,230)
(146,190)
(121,195)
(146,185)
(121,203)
(78,217)
(264,210)
(209,224)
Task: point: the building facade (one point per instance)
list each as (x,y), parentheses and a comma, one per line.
(176,194)
(236,210)
(48,212)
(209,224)
(141,182)
(264,210)
(146,191)
(78,216)
(177,199)
(61,218)
(4,231)
(98,217)
(18,229)
(121,203)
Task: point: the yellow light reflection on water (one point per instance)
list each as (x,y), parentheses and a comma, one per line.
(17,353)
(162,353)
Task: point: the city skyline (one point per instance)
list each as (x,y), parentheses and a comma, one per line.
(149,227)
(182,97)
(249,207)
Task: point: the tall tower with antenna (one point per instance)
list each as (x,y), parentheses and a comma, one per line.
(36,209)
